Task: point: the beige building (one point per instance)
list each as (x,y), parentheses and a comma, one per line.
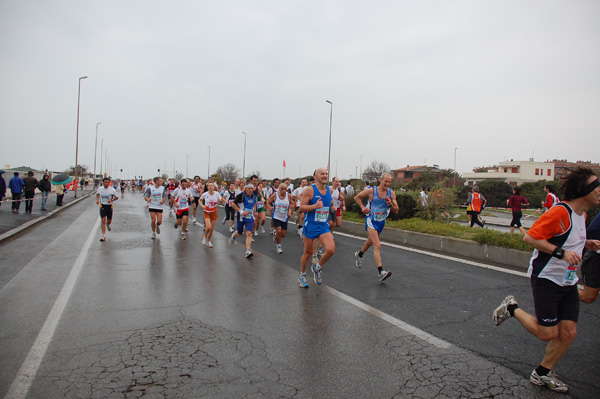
(514,173)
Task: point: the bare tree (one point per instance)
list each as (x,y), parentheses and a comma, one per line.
(81,170)
(375,170)
(228,172)
(257,173)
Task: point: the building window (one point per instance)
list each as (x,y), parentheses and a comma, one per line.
(537,171)
(549,172)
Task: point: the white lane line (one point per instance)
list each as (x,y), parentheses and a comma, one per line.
(390,319)
(446,257)
(24,379)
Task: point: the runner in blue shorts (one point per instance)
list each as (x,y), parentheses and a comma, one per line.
(381,200)
(316,201)
(245,206)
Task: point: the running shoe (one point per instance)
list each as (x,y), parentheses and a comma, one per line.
(203,240)
(231,240)
(209,244)
(103,238)
(383,274)
(224,219)
(248,254)
(157,229)
(302,281)
(175,225)
(108,227)
(256,233)
(317,274)
(320,251)
(501,313)
(278,249)
(300,232)
(193,220)
(315,259)
(358,259)
(550,380)
(153,236)
(274,235)
(262,229)
(231,229)
(182,235)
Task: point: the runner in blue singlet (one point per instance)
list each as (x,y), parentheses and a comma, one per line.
(380,201)
(315,201)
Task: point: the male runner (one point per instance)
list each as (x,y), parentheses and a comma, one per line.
(196,189)
(281,205)
(558,236)
(229,197)
(590,266)
(299,215)
(316,201)
(105,196)
(380,200)
(339,203)
(155,196)
(181,197)
(245,206)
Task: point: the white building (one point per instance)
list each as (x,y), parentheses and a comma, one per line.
(514,173)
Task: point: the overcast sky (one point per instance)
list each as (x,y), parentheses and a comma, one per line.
(410,81)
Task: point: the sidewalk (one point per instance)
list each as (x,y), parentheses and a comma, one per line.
(13,223)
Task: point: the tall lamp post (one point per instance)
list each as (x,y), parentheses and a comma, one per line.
(96,150)
(208,162)
(77,140)
(101,155)
(329,155)
(360,177)
(244,164)
(187,159)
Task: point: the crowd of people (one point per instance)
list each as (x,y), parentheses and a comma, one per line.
(558,237)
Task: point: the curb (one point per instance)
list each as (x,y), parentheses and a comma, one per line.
(25,226)
(503,257)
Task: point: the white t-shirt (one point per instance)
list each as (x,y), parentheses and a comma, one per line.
(182,198)
(297,193)
(106,195)
(210,201)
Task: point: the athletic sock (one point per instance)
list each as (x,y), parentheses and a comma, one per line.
(379,269)
(541,370)
(511,309)
(360,254)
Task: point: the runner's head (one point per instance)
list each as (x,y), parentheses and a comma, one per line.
(581,183)
(210,187)
(303,183)
(196,179)
(321,175)
(335,182)
(106,182)
(276,182)
(254,179)
(249,189)
(158,181)
(385,180)
(183,183)
(282,188)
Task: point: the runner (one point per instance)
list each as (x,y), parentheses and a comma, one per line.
(181,199)
(210,199)
(590,266)
(229,197)
(339,203)
(299,215)
(281,205)
(170,188)
(245,206)
(260,210)
(272,190)
(381,200)
(558,238)
(196,189)
(316,202)
(105,196)
(155,196)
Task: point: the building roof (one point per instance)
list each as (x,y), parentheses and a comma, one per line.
(420,168)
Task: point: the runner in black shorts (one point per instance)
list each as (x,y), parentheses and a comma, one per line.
(105,196)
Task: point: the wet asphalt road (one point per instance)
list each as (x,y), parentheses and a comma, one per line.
(171,318)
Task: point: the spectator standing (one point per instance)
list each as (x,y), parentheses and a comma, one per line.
(31,183)
(16,185)
(60,194)
(516,203)
(423,197)
(349,190)
(2,186)
(45,186)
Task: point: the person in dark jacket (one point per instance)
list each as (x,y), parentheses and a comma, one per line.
(16,185)
(31,183)
(45,186)
(2,186)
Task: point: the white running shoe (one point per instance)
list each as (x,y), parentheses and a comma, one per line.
(103,238)
(153,236)
(248,254)
(302,281)
(383,274)
(278,249)
(231,240)
(255,233)
(193,220)
(203,240)
(209,244)
(182,235)
(108,227)
(224,219)
(501,313)
(358,259)
(231,229)
(262,229)
(549,380)
(157,229)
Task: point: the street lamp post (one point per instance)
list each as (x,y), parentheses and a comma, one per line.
(96,149)
(77,139)
(360,177)
(329,155)
(244,164)
(101,156)
(208,162)
(187,159)
(336,173)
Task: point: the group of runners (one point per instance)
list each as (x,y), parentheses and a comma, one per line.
(558,238)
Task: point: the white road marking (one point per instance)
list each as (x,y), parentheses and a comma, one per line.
(390,319)
(22,382)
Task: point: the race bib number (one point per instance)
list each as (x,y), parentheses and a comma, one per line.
(571,275)
(379,216)
(322,215)
(250,214)
(259,204)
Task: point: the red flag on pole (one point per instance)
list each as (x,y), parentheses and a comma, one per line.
(284,163)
